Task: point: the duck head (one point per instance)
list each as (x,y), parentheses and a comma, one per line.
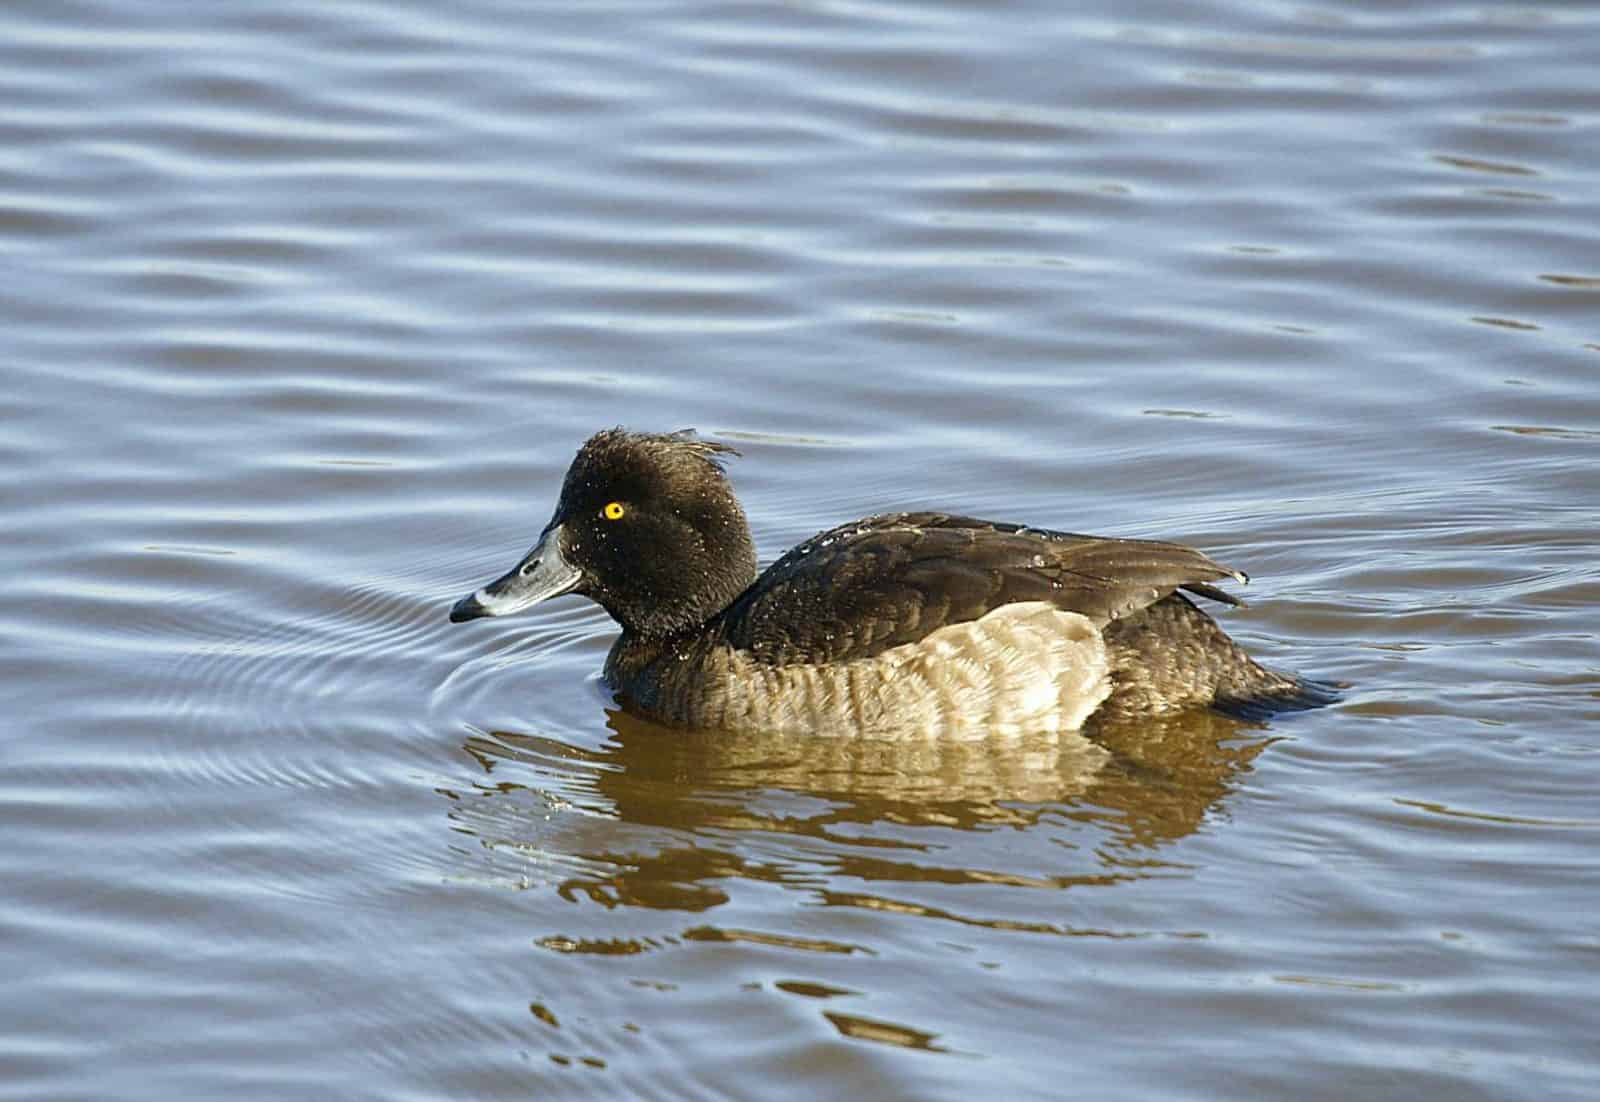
(647,527)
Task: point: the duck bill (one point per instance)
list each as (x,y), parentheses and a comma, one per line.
(541,574)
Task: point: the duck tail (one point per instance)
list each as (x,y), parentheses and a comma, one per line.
(1257,693)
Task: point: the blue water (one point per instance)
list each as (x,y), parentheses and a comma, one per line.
(308,306)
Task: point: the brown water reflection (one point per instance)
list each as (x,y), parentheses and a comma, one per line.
(663,819)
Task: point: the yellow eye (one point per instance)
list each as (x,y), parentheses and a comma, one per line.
(613,510)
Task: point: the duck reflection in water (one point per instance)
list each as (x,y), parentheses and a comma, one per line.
(661,818)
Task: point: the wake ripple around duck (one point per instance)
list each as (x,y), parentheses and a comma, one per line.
(306,690)
(499,669)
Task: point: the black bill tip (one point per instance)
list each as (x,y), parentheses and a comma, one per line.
(468,608)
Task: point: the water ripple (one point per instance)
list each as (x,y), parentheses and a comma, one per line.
(309,305)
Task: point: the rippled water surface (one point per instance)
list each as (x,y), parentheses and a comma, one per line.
(307,306)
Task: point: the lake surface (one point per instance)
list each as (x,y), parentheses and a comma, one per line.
(307,306)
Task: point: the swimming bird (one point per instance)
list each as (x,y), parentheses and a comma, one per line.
(914,624)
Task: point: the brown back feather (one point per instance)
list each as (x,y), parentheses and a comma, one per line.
(859,589)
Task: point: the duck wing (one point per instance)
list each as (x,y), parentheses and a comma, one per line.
(859,589)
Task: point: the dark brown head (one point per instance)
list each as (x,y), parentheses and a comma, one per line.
(647,526)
